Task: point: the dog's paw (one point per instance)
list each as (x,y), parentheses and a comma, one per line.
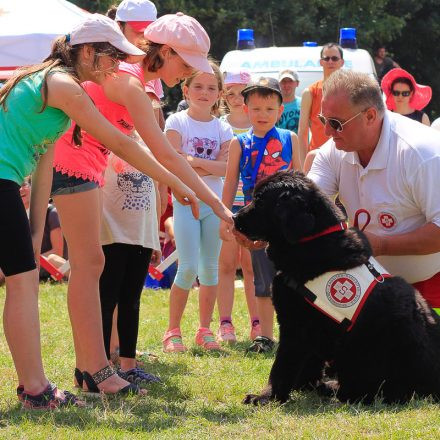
(256,399)
(328,389)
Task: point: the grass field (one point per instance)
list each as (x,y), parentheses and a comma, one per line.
(201,396)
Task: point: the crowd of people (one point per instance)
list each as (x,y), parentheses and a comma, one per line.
(108,174)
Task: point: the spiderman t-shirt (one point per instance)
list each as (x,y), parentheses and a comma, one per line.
(263,157)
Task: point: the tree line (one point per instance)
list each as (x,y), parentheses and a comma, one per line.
(408,29)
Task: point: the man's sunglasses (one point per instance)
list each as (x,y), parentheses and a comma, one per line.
(405,94)
(335,123)
(334,58)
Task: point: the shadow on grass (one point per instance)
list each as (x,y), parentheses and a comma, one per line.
(167,411)
(310,404)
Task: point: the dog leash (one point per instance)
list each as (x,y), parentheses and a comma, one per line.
(356,219)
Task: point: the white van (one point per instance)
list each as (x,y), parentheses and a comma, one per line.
(270,61)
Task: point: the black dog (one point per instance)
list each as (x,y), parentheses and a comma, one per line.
(392,350)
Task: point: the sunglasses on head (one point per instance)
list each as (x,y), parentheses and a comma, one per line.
(405,94)
(334,58)
(336,124)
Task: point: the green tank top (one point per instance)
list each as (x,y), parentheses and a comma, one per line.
(25,132)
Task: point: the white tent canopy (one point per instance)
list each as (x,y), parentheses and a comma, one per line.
(28,28)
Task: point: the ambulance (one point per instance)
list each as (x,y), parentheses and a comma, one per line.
(270,61)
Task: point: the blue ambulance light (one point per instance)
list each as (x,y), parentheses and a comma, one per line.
(310,44)
(245,39)
(347,38)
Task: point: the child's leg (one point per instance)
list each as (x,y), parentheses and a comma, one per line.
(114,338)
(264,272)
(227,267)
(80,216)
(22,329)
(129,303)
(20,316)
(248,277)
(266,314)
(210,244)
(111,284)
(187,237)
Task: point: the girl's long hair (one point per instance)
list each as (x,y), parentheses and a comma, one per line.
(65,57)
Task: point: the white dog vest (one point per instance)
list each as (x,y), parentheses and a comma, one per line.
(341,295)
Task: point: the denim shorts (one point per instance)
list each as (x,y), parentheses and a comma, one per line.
(264,273)
(64,184)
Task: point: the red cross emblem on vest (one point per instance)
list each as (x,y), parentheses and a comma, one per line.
(343,290)
(387,220)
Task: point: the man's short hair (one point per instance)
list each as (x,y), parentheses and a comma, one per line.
(362,89)
(330,45)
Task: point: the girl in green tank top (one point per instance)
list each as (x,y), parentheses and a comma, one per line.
(35,109)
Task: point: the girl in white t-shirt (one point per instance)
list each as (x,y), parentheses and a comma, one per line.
(204,141)
(130,240)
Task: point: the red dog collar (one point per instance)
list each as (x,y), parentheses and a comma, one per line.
(329,230)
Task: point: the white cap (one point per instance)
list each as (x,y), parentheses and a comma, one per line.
(136,10)
(97,28)
(291,74)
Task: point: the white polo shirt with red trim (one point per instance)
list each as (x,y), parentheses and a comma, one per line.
(400,187)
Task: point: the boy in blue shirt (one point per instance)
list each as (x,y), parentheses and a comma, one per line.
(258,153)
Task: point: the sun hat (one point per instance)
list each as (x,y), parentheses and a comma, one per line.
(241,77)
(421,95)
(185,35)
(264,83)
(137,13)
(291,74)
(97,28)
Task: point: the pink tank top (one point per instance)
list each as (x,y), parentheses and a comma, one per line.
(89,160)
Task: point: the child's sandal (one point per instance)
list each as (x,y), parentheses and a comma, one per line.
(172,342)
(48,399)
(78,382)
(92,382)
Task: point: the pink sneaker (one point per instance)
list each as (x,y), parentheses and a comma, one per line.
(226,333)
(205,339)
(255,331)
(172,341)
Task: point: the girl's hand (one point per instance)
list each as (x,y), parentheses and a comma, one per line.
(155,257)
(226,231)
(186,196)
(221,211)
(242,240)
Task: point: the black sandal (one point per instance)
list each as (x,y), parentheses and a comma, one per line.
(79,378)
(92,382)
(47,399)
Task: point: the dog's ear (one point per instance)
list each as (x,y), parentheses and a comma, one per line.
(293,217)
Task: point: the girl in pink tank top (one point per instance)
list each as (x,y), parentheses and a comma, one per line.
(78,172)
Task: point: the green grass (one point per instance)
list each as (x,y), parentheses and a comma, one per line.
(201,397)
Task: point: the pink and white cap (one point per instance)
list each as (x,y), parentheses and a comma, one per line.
(97,28)
(185,35)
(241,77)
(137,13)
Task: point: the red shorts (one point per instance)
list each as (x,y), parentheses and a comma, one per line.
(430,290)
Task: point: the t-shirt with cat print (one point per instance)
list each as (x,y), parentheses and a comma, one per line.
(129,213)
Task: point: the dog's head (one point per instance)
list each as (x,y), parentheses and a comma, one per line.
(286,207)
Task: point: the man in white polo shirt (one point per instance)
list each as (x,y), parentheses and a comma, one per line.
(382,162)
